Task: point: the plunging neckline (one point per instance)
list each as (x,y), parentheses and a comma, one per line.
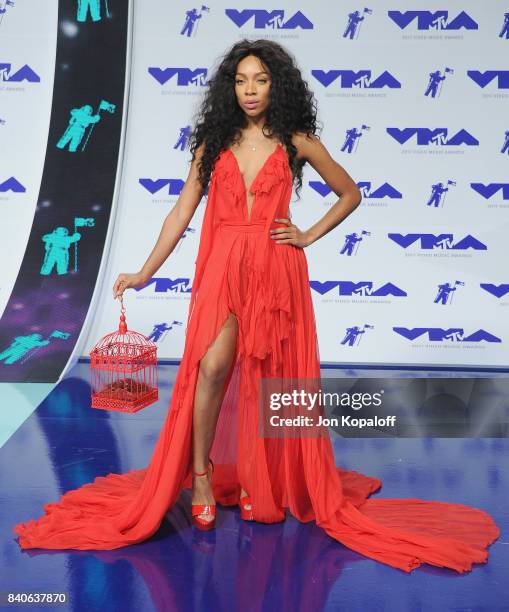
(249,213)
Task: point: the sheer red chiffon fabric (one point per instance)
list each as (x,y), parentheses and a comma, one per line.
(240,269)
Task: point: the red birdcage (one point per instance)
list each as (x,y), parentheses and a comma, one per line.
(123,370)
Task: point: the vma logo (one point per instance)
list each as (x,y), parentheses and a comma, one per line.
(367,188)
(275,19)
(362,79)
(453,334)
(12,184)
(433,20)
(362,288)
(183,76)
(163,285)
(440,241)
(436,137)
(485,78)
(175,186)
(25,73)
(490,189)
(499,291)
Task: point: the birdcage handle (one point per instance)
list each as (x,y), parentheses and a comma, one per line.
(122,326)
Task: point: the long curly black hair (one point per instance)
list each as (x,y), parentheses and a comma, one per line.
(219,119)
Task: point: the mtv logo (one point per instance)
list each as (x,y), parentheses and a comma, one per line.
(274,19)
(433,20)
(185,76)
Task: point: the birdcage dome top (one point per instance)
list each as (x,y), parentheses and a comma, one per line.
(131,338)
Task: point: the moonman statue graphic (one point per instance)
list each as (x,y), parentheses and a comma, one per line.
(353,21)
(505,146)
(158,331)
(20,347)
(95,9)
(192,17)
(437,191)
(434,81)
(57,250)
(443,293)
(352,333)
(80,119)
(504,32)
(351,137)
(350,241)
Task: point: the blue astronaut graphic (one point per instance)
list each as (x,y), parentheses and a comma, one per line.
(352,137)
(183,138)
(191,22)
(446,291)
(352,241)
(23,348)
(353,335)
(80,120)
(435,82)
(160,329)
(20,346)
(505,146)
(57,250)
(3,8)
(438,192)
(504,32)
(94,6)
(354,23)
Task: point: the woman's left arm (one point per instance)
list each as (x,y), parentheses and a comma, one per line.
(337,178)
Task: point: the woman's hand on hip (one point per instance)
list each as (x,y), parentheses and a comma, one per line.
(289,235)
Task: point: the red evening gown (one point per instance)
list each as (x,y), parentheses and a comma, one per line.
(240,269)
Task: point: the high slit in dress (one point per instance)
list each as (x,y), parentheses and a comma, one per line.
(241,270)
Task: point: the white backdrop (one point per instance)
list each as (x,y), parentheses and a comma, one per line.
(374,83)
(28,33)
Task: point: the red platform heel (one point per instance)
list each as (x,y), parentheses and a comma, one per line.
(246,514)
(209,509)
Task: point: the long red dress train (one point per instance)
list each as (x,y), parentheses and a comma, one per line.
(240,269)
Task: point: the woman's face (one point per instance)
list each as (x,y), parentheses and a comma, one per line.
(252,86)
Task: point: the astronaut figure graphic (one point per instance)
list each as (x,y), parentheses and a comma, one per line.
(158,331)
(352,135)
(4,4)
(353,21)
(444,291)
(504,32)
(183,138)
(505,146)
(57,250)
(434,81)
(94,6)
(20,347)
(192,17)
(352,333)
(80,119)
(351,240)
(437,191)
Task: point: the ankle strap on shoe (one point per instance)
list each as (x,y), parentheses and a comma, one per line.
(206,471)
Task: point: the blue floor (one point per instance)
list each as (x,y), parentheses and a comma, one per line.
(287,566)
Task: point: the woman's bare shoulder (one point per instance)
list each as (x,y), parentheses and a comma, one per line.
(304,143)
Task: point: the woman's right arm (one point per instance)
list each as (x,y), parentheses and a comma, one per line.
(173,227)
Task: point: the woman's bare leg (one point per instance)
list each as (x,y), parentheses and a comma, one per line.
(214,368)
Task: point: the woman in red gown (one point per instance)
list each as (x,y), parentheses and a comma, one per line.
(251,317)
